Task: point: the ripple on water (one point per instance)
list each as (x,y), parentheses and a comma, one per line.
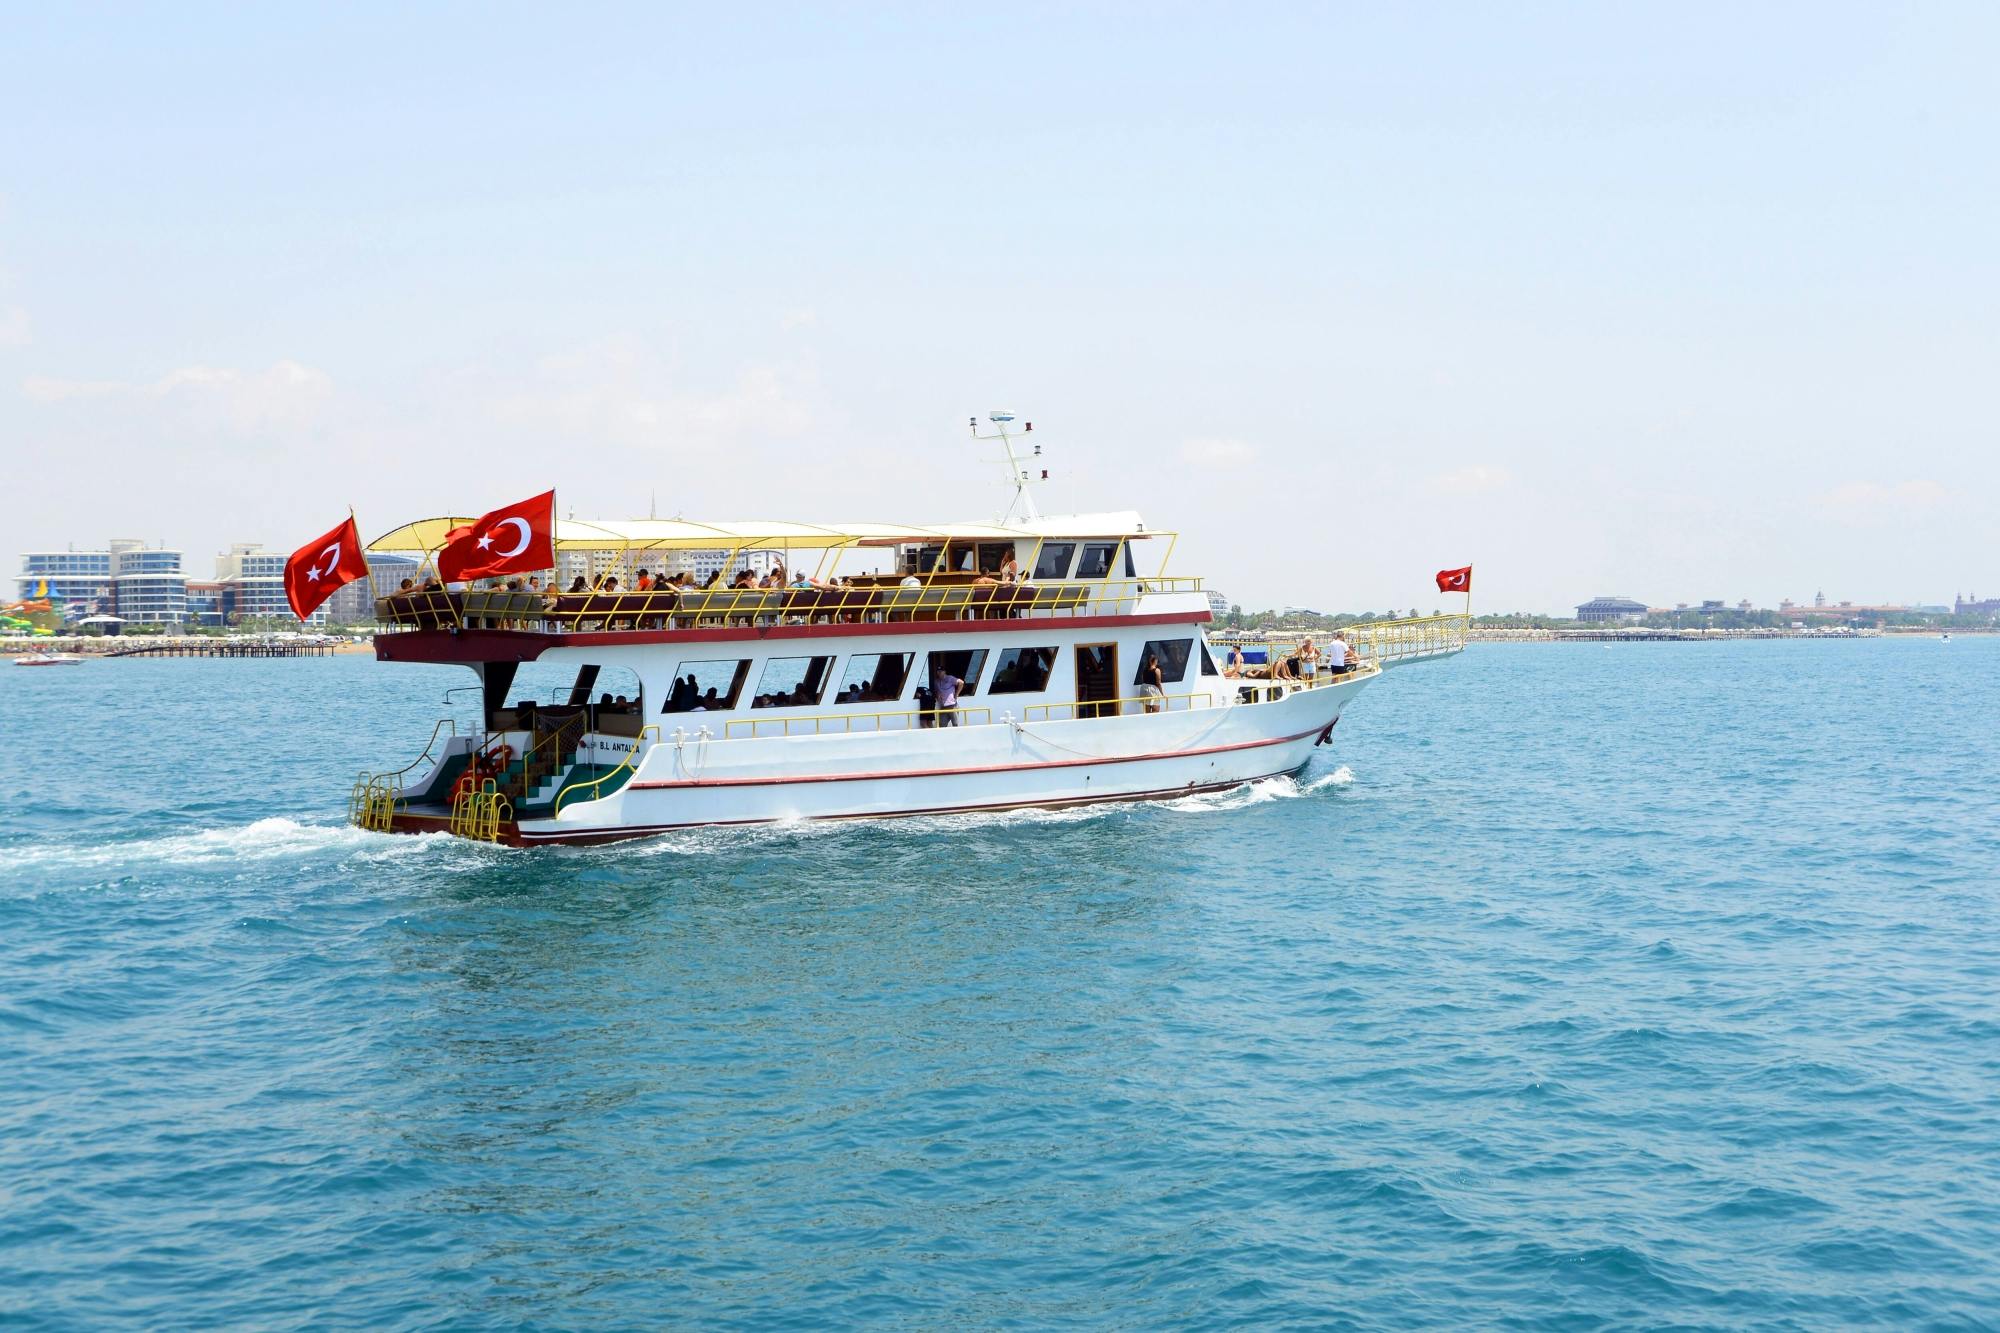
(1498,1018)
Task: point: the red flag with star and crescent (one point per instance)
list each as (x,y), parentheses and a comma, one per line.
(1455,580)
(514,539)
(320,568)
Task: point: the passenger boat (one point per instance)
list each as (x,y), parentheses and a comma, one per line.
(48,659)
(609,714)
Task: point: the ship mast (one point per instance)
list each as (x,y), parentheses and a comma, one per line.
(1019,472)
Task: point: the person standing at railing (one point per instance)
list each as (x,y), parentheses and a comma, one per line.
(944,695)
(1152,684)
(1337,655)
(1308,661)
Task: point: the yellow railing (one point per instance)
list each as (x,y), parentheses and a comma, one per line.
(543,758)
(1385,641)
(595,785)
(371,803)
(690,608)
(1259,690)
(839,724)
(1391,641)
(1115,707)
(478,810)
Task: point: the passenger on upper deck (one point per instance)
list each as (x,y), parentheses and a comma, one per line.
(1234,667)
(644,582)
(579,585)
(1010,568)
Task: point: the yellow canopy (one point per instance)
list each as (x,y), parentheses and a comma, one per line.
(676,534)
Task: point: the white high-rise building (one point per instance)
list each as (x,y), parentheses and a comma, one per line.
(148,586)
(72,578)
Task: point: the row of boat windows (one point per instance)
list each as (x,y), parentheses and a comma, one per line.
(1053,561)
(881,678)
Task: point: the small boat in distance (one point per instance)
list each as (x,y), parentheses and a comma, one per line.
(49,659)
(670,673)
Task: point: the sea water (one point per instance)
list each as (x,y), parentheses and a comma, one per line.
(1575,986)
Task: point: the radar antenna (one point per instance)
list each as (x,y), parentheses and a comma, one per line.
(1020,471)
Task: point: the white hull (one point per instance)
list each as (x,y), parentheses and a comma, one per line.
(692,780)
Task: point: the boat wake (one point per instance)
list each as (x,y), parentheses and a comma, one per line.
(271,839)
(281,839)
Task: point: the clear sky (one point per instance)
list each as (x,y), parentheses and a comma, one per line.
(1676,301)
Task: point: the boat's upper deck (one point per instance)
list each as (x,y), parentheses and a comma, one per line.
(661,576)
(852,601)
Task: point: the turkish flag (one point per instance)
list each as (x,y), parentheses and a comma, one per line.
(514,539)
(320,567)
(1455,580)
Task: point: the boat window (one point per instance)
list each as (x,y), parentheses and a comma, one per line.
(792,682)
(1173,655)
(1053,562)
(1023,670)
(921,559)
(965,663)
(1131,571)
(1096,562)
(992,555)
(1208,663)
(706,686)
(874,678)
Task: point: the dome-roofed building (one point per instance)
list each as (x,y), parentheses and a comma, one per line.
(1611,608)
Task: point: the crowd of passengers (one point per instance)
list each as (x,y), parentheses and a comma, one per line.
(777,579)
(1304,663)
(746,580)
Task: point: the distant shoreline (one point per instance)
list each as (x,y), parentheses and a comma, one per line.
(1635,634)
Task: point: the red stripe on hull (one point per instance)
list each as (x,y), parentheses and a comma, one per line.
(961,772)
(518,839)
(512,836)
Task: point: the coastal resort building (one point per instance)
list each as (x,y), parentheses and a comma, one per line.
(148,586)
(69,579)
(354,604)
(1616,609)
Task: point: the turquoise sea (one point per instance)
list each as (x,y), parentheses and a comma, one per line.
(1578,987)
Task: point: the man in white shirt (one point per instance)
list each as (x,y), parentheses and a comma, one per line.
(1336,656)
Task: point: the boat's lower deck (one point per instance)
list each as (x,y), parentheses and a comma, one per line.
(435,819)
(683,780)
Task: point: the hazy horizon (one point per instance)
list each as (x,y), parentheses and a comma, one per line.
(1667,302)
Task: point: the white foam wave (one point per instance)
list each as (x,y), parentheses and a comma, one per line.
(270,839)
(725,840)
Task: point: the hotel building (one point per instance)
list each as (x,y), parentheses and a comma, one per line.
(72,577)
(148,586)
